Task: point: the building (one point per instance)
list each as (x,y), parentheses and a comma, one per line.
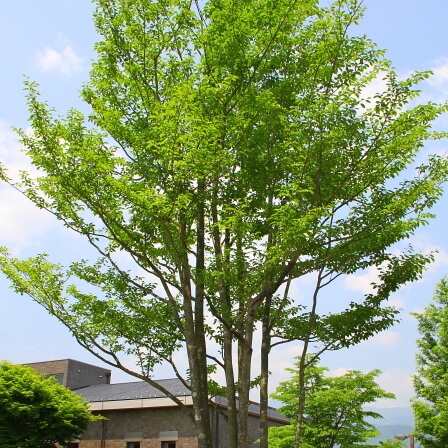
(137,414)
(73,374)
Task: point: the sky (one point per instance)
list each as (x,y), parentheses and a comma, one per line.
(51,42)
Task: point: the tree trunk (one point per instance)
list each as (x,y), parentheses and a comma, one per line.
(264,374)
(232,420)
(200,399)
(301,398)
(199,388)
(244,376)
(195,333)
(302,365)
(221,262)
(264,353)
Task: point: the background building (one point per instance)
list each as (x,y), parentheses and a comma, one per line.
(139,415)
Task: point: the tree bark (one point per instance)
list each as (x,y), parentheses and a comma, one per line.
(264,373)
(244,376)
(302,365)
(227,345)
(232,412)
(195,333)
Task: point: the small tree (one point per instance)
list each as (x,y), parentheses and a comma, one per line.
(37,412)
(431,380)
(333,412)
(391,443)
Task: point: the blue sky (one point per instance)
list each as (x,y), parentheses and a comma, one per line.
(51,42)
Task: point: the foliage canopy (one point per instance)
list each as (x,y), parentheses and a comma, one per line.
(431,382)
(37,412)
(333,412)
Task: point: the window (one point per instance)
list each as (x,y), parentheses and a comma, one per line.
(168,445)
(73,445)
(132,444)
(59,377)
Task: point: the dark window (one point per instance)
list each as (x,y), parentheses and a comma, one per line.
(168,445)
(59,377)
(132,444)
(73,445)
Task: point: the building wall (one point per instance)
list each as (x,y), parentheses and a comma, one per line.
(147,425)
(140,425)
(76,374)
(59,367)
(181,443)
(81,374)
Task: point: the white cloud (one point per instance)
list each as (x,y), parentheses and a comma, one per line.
(384,339)
(435,88)
(424,243)
(440,261)
(398,381)
(281,358)
(362,282)
(397,302)
(378,85)
(439,80)
(339,371)
(65,61)
(11,153)
(21,223)
(418,309)
(395,380)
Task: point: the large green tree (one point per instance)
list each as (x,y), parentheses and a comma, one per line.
(37,412)
(333,414)
(430,404)
(231,149)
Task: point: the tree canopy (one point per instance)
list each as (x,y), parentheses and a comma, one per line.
(393,443)
(36,411)
(231,149)
(333,414)
(430,404)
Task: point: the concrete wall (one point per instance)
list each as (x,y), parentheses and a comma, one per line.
(148,426)
(81,374)
(184,443)
(59,367)
(76,374)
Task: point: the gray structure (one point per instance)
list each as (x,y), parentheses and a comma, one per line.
(139,415)
(73,374)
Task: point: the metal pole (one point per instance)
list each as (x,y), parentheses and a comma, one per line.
(406,436)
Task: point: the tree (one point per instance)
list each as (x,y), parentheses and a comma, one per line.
(231,149)
(393,443)
(430,404)
(37,412)
(333,412)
